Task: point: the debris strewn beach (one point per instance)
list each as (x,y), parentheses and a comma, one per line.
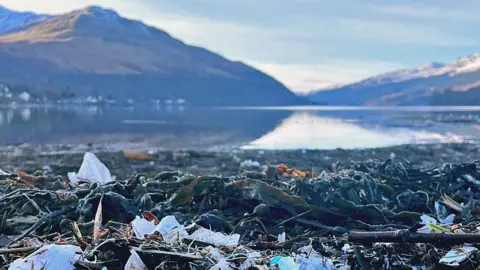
(404,207)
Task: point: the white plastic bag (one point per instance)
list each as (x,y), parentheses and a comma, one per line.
(52,257)
(142,227)
(171,230)
(92,170)
(457,255)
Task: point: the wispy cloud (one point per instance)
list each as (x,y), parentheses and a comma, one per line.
(404,32)
(429,11)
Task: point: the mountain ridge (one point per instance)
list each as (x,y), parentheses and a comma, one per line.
(427,84)
(96,51)
(11,20)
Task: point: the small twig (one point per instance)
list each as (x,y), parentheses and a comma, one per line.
(294,217)
(161,252)
(405,236)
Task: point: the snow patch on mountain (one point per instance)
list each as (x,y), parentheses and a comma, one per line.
(462,65)
(422,71)
(10,20)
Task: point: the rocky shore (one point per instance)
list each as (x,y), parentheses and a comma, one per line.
(404,207)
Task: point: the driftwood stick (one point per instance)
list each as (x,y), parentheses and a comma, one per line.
(405,236)
(17,250)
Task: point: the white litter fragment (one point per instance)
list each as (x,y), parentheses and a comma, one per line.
(448,220)
(281,237)
(425,221)
(171,230)
(214,253)
(457,255)
(2,172)
(134,262)
(314,263)
(55,257)
(347,248)
(223,264)
(91,170)
(250,164)
(307,259)
(310,259)
(440,210)
(142,227)
(250,261)
(215,238)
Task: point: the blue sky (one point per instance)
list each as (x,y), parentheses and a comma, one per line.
(307,44)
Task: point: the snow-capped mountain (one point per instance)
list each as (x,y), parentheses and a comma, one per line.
(11,20)
(422,85)
(462,65)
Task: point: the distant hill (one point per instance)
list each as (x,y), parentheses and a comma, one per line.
(94,51)
(457,83)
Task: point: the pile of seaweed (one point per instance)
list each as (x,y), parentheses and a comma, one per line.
(362,215)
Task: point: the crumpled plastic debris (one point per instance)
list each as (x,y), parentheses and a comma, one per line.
(249,164)
(315,263)
(91,170)
(49,257)
(312,261)
(283,263)
(171,231)
(142,227)
(250,261)
(222,264)
(135,262)
(457,255)
(214,238)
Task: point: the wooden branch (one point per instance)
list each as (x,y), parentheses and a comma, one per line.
(405,236)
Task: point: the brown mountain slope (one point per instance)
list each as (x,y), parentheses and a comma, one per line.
(96,51)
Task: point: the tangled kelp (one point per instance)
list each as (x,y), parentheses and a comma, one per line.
(176,220)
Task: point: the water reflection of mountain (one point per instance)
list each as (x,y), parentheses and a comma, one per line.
(176,126)
(312,130)
(49,125)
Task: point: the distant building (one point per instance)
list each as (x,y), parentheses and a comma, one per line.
(24,96)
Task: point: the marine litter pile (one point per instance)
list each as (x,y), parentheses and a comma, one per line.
(370,215)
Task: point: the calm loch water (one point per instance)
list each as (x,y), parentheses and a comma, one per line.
(254,128)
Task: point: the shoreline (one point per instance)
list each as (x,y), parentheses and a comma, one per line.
(66,158)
